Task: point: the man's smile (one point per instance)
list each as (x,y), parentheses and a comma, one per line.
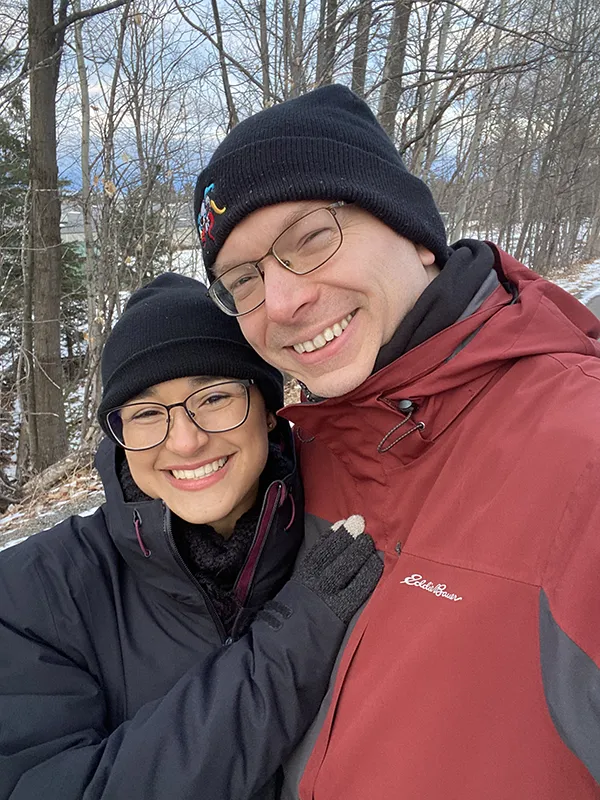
(325,336)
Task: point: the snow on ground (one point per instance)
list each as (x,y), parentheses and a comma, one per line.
(81,494)
(12,542)
(580,280)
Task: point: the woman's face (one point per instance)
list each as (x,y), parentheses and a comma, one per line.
(237,459)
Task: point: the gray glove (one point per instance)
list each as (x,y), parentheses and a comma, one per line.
(342,568)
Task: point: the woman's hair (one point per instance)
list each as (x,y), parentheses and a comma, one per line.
(171,329)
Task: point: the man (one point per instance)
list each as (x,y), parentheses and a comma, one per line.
(453,399)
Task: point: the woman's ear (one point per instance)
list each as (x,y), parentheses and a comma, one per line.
(271,421)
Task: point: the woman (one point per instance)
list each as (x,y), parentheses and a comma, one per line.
(133,663)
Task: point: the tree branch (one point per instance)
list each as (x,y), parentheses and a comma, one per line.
(226,55)
(85,14)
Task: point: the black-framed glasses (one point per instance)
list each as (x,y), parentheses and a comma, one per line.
(302,247)
(216,408)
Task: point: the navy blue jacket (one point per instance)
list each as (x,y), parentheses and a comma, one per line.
(115,679)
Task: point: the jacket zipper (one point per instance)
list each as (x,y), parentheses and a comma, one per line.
(243,584)
(137,524)
(248,571)
(177,556)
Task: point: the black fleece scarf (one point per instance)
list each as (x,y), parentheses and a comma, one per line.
(215,562)
(443,301)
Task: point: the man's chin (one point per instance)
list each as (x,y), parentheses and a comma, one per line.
(337,383)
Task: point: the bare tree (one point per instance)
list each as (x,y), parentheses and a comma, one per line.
(46,38)
(494,105)
(326,42)
(391,87)
(361,47)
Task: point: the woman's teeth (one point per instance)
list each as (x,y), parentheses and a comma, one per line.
(321,339)
(201,472)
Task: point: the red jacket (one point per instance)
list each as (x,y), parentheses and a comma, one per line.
(473,672)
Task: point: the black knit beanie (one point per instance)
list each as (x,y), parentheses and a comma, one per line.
(171,329)
(325,145)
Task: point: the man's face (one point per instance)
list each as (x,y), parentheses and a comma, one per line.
(364,290)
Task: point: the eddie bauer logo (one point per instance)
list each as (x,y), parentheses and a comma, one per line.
(438,590)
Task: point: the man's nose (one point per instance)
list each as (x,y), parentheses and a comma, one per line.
(184,437)
(287,294)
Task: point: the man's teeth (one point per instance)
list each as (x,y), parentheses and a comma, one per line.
(201,472)
(325,336)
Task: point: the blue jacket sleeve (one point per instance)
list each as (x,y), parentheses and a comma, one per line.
(220,732)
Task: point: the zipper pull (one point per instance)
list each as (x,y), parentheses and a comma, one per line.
(137,524)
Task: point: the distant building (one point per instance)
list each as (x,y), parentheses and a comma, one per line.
(181,220)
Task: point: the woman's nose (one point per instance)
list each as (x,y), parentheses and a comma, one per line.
(184,436)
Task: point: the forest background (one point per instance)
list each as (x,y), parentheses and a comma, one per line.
(108,112)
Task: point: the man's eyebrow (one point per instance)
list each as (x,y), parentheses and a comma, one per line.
(304,208)
(293,216)
(218,269)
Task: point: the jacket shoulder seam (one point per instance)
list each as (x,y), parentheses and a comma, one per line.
(469,568)
(578,366)
(550,306)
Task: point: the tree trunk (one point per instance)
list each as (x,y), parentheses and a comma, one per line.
(361,47)
(27,448)
(546,156)
(421,93)
(592,247)
(432,141)
(264,53)
(297,75)
(92,386)
(233,115)
(391,88)
(326,43)
(287,50)
(468,197)
(49,418)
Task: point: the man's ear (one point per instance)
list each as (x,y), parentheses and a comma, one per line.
(428,261)
(426,256)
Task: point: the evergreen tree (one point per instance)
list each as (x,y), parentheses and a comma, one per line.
(13,194)
(13,190)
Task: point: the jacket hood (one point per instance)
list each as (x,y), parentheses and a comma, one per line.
(138,530)
(525,316)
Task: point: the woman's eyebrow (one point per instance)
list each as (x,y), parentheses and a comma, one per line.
(149,392)
(195,381)
(206,380)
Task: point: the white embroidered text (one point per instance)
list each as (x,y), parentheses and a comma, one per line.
(439,589)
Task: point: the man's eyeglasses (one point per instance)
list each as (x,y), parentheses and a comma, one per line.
(302,247)
(214,409)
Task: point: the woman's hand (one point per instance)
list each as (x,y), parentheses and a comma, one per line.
(342,568)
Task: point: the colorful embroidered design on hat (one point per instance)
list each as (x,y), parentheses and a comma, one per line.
(206,216)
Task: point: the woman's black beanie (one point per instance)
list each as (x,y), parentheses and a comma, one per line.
(324,145)
(171,329)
